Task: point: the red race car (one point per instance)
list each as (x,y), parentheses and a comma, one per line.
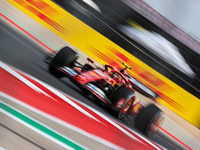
(107,85)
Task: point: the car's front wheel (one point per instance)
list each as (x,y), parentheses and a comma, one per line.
(122,99)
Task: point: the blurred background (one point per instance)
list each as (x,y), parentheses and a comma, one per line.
(157,39)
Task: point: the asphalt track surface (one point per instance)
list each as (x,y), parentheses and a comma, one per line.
(23,53)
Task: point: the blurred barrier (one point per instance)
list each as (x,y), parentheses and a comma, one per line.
(164,24)
(104,51)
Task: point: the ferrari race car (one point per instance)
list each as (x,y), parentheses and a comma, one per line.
(107,85)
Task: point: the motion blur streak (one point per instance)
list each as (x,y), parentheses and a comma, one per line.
(174,138)
(61,122)
(38,127)
(26,32)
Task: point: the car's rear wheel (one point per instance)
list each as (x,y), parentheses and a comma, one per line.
(65,57)
(148,119)
(122,98)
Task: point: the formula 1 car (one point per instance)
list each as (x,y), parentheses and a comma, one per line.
(107,85)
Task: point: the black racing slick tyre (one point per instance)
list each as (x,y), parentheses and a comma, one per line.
(122,99)
(148,119)
(65,57)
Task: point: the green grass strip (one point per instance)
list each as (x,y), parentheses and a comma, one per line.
(39,126)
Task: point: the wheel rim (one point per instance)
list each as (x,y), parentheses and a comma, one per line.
(127,106)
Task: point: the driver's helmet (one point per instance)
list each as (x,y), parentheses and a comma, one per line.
(115,76)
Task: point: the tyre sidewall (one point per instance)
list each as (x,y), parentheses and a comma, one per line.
(65,57)
(125,93)
(146,117)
